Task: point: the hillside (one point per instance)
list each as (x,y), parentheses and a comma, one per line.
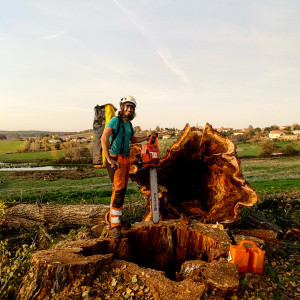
(32,133)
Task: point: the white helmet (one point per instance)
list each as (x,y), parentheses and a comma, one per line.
(129,99)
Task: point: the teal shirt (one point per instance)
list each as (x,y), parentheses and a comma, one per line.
(116,146)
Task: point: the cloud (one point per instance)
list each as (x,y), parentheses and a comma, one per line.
(163,52)
(54,36)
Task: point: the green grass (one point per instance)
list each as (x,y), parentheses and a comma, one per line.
(91,190)
(265,187)
(267,176)
(164,145)
(29,156)
(7,146)
(284,144)
(272,175)
(46,155)
(245,149)
(253,150)
(8,149)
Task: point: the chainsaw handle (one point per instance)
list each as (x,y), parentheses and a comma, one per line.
(153,138)
(241,243)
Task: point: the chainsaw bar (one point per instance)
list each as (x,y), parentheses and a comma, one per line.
(154,196)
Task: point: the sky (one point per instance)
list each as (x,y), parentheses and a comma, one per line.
(231,63)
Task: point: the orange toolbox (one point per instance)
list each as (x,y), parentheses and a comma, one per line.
(248,256)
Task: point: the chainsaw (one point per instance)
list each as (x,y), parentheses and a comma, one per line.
(150,157)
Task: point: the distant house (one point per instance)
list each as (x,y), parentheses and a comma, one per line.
(237,132)
(66,137)
(222,129)
(53,141)
(275,134)
(166,136)
(289,137)
(297,132)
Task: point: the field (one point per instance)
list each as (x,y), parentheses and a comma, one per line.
(29,156)
(252,150)
(8,147)
(67,191)
(8,151)
(267,176)
(245,149)
(272,175)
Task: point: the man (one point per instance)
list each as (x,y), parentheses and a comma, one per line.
(115,142)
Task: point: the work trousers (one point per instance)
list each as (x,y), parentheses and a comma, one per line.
(119,178)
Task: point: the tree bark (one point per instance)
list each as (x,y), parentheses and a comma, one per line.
(29,215)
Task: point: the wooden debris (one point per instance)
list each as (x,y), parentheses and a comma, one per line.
(255,219)
(218,275)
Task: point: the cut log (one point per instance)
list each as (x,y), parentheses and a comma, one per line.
(200,177)
(30,215)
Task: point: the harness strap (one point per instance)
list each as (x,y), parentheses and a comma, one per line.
(123,138)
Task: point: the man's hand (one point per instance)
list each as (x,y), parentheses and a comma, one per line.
(114,164)
(153,133)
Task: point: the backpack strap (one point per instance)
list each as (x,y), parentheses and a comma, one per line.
(131,127)
(115,133)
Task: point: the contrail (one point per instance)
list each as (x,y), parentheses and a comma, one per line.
(54,36)
(164,53)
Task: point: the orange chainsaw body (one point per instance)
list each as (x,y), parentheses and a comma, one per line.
(150,152)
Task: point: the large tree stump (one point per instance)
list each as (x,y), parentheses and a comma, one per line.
(200,177)
(150,255)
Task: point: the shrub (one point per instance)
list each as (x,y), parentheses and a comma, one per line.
(54,154)
(25,146)
(78,154)
(13,267)
(267,147)
(289,150)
